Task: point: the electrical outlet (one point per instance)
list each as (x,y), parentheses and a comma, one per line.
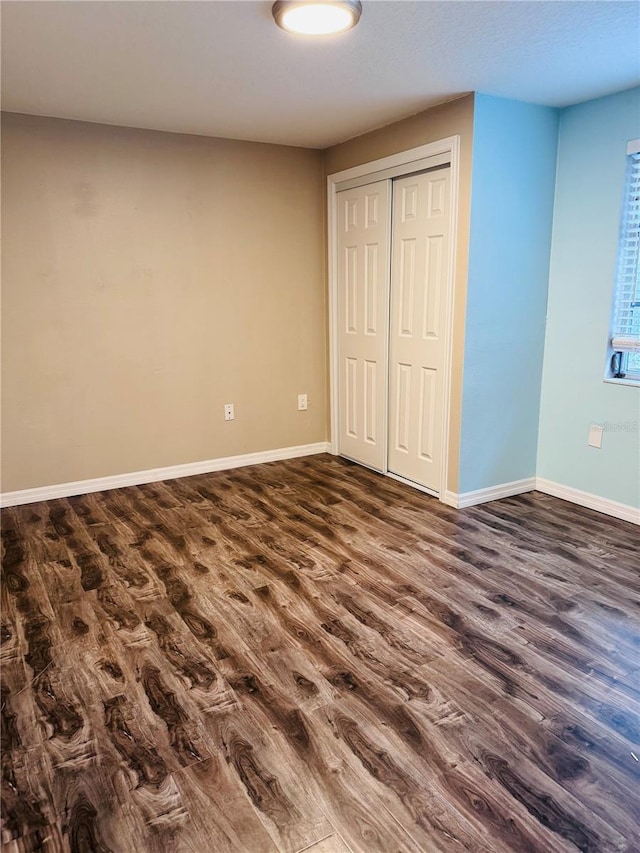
(303,403)
(229,414)
(595,435)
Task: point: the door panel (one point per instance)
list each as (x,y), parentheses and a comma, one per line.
(363,287)
(420,246)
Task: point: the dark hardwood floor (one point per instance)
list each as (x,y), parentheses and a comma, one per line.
(307,656)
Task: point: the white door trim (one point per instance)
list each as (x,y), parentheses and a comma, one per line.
(409,159)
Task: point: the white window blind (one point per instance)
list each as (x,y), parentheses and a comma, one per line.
(625,326)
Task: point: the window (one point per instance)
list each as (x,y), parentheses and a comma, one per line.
(624,340)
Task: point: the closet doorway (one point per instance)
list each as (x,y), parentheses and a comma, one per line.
(392,274)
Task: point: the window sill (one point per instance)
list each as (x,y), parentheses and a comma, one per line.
(633,382)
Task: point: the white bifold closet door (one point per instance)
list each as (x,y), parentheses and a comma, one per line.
(420,254)
(393,254)
(363,324)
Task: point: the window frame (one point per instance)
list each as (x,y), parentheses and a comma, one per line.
(629,223)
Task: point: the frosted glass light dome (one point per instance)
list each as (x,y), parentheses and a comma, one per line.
(317,18)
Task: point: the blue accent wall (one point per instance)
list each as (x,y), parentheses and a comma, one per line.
(512,193)
(591,168)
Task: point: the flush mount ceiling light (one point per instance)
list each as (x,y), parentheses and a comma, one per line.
(315,17)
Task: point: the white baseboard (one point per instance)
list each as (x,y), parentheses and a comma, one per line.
(153,475)
(493,493)
(548,487)
(626,512)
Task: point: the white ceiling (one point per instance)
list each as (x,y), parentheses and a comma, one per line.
(225,69)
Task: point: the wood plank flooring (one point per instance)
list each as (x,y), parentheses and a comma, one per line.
(308,656)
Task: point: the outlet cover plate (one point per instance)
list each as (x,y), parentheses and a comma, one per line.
(595,435)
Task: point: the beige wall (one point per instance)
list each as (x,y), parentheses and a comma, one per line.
(149,278)
(455,117)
